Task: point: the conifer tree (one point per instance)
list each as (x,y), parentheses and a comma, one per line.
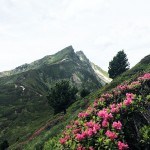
(61,96)
(118,65)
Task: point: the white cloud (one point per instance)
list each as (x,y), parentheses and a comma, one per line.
(31,29)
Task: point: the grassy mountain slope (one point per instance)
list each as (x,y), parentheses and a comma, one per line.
(23,103)
(118,117)
(49,137)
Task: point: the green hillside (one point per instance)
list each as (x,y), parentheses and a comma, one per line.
(118,119)
(49,137)
(23,104)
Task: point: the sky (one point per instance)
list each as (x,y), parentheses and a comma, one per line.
(32,29)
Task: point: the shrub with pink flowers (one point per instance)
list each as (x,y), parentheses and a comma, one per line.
(101,125)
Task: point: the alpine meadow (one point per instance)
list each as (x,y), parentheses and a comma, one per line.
(74,75)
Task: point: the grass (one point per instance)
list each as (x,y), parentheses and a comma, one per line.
(33,111)
(53,134)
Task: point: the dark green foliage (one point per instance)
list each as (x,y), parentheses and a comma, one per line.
(118,65)
(84,93)
(4,145)
(61,96)
(145,134)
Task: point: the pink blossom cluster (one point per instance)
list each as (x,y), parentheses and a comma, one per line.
(134,84)
(115,108)
(111,135)
(104,114)
(83,115)
(75,131)
(116,92)
(76,122)
(117,125)
(145,77)
(102,99)
(87,113)
(122,146)
(92,129)
(95,120)
(129,99)
(107,96)
(95,104)
(64,140)
(68,126)
(90,110)
(80,147)
(122,87)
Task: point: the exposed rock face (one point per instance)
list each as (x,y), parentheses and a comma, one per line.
(100,74)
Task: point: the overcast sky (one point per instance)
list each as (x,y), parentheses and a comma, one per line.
(31,29)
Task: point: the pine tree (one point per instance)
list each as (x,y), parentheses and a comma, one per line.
(118,65)
(84,93)
(61,96)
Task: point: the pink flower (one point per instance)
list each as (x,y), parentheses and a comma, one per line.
(122,87)
(80,147)
(101,99)
(90,110)
(68,127)
(112,105)
(62,141)
(67,137)
(145,77)
(119,105)
(111,135)
(75,131)
(116,92)
(105,123)
(90,124)
(80,137)
(107,96)
(114,108)
(83,114)
(89,132)
(80,115)
(134,84)
(91,148)
(95,104)
(93,128)
(117,125)
(127,102)
(109,116)
(96,126)
(130,95)
(122,146)
(104,114)
(84,134)
(76,122)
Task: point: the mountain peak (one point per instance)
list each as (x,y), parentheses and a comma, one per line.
(67,49)
(82,56)
(80,52)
